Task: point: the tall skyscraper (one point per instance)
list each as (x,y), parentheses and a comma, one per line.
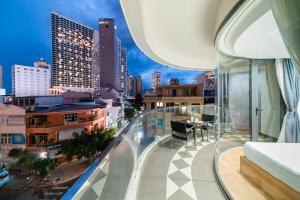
(136,85)
(155,79)
(110,48)
(96,65)
(207,79)
(117,52)
(174,81)
(124,72)
(31,81)
(72,45)
(128,84)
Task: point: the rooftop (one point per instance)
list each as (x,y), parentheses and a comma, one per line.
(67,108)
(178,86)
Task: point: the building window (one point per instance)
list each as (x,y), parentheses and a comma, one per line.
(38,139)
(174,92)
(71,117)
(5,138)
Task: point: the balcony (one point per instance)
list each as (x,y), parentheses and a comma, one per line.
(140,163)
(50,125)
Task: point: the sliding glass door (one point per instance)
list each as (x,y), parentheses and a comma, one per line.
(233,101)
(250,106)
(267,106)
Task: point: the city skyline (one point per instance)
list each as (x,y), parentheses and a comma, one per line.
(34,41)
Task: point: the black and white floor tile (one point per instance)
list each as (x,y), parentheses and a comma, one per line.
(179,178)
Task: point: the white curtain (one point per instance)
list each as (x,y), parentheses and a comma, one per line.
(287,16)
(289,84)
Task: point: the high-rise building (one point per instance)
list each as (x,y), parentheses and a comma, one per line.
(207,79)
(110,48)
(128,84)
(31,81)
(136,85)
(72,45)
(96,65)
(155,79)
(174,81)
(117,53)
(124,72)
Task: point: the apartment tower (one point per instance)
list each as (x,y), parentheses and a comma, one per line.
(207,79)
(124,72)
(31,81)
(72,45)
(110,48)
(173,81)
(136,85)
(155,79)
(96,65)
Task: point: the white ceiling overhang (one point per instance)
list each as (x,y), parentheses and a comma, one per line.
(177,33)
(181,33)
(252,32)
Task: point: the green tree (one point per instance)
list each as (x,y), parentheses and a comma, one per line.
(88,144)
(70,147)
(24,159)
(138,102)
(31,163)
(15,153)
(130,113)
(43,167)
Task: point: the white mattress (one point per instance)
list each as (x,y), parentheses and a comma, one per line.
(281,160)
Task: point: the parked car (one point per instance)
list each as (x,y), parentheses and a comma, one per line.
(4,177)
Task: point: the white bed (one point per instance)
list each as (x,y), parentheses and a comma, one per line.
(281,160)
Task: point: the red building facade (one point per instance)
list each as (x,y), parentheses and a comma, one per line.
(58,123)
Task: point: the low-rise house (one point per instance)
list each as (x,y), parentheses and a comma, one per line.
(54,124)
(174,95)
(12,127)
(115,113)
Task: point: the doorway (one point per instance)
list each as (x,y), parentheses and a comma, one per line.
(266,102)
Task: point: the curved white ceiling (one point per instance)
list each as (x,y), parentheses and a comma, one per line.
(252,32)
(181,33)
(177,33)
(261,40)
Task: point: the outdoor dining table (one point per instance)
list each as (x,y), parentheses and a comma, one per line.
(197,124)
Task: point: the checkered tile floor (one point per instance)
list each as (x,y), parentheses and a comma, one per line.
(243,137)
(179,179)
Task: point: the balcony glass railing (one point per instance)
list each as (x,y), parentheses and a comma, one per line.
(116,173)
(52,125)
(234,128)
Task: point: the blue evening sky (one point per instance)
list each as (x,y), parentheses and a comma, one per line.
(25,35)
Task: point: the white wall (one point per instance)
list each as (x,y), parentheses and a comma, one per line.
(30,81)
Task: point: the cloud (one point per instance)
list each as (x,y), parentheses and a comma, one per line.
(90,11)
(37,40)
